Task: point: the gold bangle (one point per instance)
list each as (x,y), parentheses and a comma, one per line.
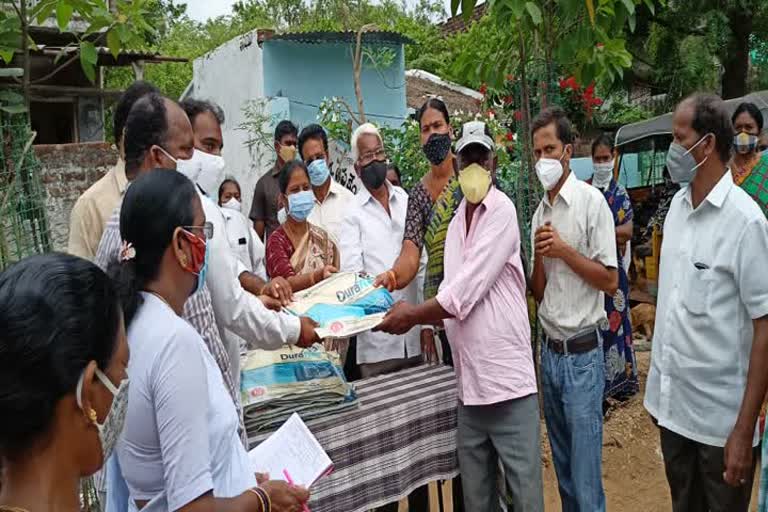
(261,499)
(269,500)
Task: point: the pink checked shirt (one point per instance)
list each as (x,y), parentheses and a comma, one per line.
(484,290)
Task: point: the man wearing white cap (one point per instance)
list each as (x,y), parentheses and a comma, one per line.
(483,306)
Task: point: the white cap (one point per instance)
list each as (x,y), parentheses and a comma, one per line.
(473,132)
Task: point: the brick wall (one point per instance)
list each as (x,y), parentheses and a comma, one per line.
(456,24)
(67,170)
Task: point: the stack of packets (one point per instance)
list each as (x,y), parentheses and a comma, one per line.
(278,383)
(343,305)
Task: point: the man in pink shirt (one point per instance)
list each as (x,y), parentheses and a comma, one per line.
(482,303)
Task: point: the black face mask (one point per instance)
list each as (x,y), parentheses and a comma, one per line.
(374,174)
(437,148)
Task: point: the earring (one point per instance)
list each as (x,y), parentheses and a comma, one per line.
(92,416)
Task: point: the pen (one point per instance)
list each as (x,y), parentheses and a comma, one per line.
(290,482)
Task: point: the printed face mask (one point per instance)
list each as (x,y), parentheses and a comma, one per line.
(232,204)
(475,182)
(300,205)
(681,164)
(113,424)
(374,174)
(318,172)
(199,264)
(437,148)
(745,143)
(601,178)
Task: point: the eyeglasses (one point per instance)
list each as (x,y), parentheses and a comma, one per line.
(206,228)
(367,158)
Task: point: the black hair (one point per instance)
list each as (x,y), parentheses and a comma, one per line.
(131,95)
(555,115)
(229,180)
(602,140)
(436,104)
(287,171)
(392,167)
(58,312)
(710,116)
(154,206)
(313,131)
(194,108)
(752,110)
(146,126)
(284,128)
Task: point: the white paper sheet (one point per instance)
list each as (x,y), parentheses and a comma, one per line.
(292,448)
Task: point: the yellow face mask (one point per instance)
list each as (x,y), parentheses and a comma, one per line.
(475,181)
(287,153)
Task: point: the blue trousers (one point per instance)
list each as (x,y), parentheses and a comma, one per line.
(573,396)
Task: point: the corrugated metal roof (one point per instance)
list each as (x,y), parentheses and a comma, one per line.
(125,57)
(319,37)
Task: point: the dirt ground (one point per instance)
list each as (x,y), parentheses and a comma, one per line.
(633,470)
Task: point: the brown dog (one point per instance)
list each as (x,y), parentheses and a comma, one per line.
(643,316)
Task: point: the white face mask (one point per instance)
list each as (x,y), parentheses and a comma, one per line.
(601,178)
(204,169)
(113,424)
(282,216)
(232,204)
(550,171)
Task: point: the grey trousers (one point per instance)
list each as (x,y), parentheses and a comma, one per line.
(508,432)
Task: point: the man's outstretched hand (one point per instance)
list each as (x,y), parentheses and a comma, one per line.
(398,320)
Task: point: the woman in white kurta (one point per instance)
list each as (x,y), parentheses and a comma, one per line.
(243,239)
(180,448)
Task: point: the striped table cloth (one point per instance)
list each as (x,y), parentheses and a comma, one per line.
(401,437)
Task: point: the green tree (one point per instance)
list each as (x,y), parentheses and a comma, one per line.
(117,26)
(727,29)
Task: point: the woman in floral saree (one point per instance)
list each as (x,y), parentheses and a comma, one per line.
(620,367)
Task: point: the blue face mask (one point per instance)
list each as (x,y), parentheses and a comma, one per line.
(300,205)
(318,172)
(203,270)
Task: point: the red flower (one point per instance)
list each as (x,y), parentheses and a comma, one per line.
(589,91)
(483,89)
(562,83)
(572,83)
(510,78)
(510,136)
(508,100)
(600,46)
(597,102)
(614,321)
(518,115)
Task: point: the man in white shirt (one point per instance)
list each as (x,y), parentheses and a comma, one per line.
(710,348)
(370,238)
(239,314)
(332,201)
(574,265)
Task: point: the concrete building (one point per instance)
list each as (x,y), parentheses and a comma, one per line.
(287,76)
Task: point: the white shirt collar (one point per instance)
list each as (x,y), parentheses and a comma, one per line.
(719,192)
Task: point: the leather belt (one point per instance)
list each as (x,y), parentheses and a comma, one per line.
(578,345)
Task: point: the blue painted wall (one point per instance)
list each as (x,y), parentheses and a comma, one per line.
(307,73)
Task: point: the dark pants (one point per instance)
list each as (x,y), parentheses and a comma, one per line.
(695,475)
(418,501)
